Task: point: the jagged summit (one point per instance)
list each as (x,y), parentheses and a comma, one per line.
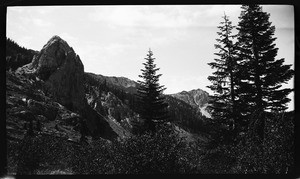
(54,54)
(56,39)
(198,90)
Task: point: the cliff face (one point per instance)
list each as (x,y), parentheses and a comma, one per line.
(62,71)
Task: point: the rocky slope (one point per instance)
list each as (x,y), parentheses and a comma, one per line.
(122,83)
(59,72)
(197,98)
(124,109)
(27,107)
(62,70)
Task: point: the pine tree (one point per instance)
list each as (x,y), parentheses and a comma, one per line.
(261,74)
(152,106)
(224,79)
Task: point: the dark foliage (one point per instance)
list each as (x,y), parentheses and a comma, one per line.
(17,56)
(261,74)
(41,153)
(261,141)
(152,105)
(273,154)
(224,80)
(186,116)
(162,152)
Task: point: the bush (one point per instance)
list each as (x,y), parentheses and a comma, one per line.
(218,160)
(94,158)
(161,152)
(272,155)
(42,152)
(151,153)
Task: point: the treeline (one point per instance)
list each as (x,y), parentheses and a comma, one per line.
(187,117)
(17,56)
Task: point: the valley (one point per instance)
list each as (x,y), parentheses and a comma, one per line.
(52,96)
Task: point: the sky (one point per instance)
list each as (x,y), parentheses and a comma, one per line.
(114,40)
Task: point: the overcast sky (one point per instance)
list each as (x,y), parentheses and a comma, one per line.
(114,40)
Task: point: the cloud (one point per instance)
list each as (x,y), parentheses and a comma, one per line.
(44,10)
(33,10)
(68,37)
(143,16)
(40,22)
(276,15)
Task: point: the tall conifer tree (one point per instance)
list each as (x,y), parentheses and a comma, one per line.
(262,75)
(152,105)
(224,79)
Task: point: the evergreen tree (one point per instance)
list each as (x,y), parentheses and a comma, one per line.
(261,74)
(152,106)
(224,79)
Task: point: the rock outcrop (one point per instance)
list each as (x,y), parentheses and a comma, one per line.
(62,71)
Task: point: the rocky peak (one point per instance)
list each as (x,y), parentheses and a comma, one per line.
(55,53)
(196,97)
(62,71)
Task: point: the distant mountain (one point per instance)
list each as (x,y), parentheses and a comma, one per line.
(119,82)
(197,98)
(186,115)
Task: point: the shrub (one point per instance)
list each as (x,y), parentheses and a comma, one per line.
(42,152)
(272,155)
(160,152)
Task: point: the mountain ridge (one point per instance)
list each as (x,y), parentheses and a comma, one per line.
(195,97)
(52,63)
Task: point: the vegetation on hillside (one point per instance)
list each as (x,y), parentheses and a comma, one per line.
(17,56)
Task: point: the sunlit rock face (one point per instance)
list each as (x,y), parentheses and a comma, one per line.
(62,71)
